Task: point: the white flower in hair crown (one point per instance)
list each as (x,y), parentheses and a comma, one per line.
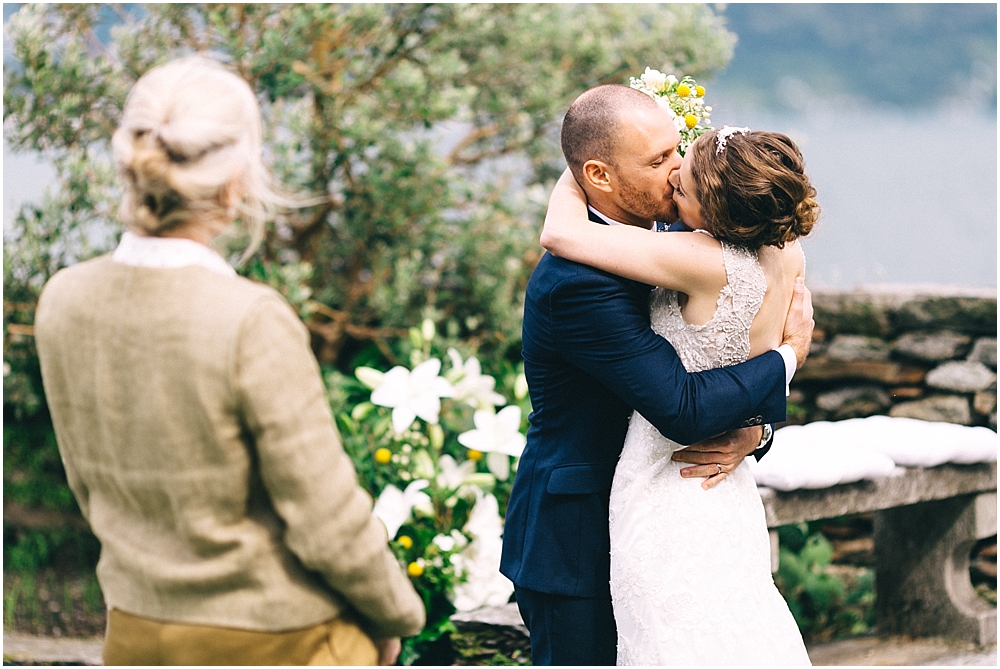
(683,98)
(722,137)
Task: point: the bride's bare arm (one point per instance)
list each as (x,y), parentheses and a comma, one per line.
(685,261)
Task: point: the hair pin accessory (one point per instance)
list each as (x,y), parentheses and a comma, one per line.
(723,136)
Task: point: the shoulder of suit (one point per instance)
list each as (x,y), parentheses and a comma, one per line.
(560,273)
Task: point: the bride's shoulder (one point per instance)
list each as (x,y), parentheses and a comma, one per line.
(787,260)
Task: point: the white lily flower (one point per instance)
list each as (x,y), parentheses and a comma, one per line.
(394,506)
(444,542)
(454,475)
(473,387)
(370,377)
(412,394)
(496,433)
(459,538)
(680,123)
(485,585)
(521,386)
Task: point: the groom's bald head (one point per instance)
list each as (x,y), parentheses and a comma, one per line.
(593,124)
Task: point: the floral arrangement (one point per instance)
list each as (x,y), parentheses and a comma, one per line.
(438,456)
(683,98)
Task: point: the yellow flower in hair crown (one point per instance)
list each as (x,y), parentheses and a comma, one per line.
(683,98)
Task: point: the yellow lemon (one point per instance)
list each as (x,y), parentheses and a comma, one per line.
(699,91)
(690,120)
(683,90)
(414,569)
(474,455)
(383,456)
(406,542)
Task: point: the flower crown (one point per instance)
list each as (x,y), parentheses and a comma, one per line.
(683,98)
(723,135)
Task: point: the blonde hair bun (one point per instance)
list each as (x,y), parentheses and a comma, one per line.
(190,129)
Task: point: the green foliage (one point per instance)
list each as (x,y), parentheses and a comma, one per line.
(33,474)
(433,539)
(27,551)
(825,603)
(423,137)
(53,602)
(425,131)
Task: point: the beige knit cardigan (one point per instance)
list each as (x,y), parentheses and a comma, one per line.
(193,425)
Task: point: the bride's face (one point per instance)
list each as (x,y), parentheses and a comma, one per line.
(688,207)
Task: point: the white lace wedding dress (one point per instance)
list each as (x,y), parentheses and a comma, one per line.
(690,568)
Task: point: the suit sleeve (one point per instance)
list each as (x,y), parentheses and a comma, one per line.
(308,476)
(602,330)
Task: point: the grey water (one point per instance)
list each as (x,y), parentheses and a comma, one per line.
(907,197)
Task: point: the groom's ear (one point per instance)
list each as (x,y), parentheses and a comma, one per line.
(597,174)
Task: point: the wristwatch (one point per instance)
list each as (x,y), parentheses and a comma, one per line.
(766,436)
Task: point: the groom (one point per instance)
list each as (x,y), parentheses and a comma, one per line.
(590,357)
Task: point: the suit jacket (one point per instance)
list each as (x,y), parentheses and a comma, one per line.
(196,436)
(590,357)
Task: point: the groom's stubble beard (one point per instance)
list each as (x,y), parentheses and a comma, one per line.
(645,205)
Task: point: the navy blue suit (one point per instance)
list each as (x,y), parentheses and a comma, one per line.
(590,357)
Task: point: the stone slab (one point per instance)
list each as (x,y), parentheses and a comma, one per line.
(932,346)
(913,485)
(961,376)
(882,310)
(824,369)
(28,649)
(943,408)
(900,651)
(847,348)
(506,615)
(864,651)
(985,351)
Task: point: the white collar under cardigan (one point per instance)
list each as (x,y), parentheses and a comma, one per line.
(168,253)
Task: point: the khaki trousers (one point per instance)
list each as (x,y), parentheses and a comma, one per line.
(132,640)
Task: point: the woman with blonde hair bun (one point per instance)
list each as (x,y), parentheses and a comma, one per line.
(192,420)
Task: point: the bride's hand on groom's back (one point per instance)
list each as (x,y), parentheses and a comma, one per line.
(714,459)
(799,322)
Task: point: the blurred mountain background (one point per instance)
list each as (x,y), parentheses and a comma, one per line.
(894,107)
(912,56)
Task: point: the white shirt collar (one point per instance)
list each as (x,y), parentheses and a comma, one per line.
(609,221)
(168,253)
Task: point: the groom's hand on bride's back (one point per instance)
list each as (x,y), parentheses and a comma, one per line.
(714,459)
(799,322)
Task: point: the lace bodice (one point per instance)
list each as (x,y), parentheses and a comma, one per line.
(690,568)
(725,339)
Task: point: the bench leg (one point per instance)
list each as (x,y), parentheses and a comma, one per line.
(922,585)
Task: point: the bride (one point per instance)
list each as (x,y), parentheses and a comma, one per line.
(690,560)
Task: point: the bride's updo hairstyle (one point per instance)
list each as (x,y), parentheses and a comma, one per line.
(753,192)
(191,130)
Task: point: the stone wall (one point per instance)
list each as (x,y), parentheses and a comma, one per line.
(916,352)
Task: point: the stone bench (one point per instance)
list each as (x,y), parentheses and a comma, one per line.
(926,523)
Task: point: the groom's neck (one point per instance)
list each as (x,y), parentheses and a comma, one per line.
(610,209)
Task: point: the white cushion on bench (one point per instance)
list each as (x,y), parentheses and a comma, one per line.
(824,454)
(813,456)
(918,443)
